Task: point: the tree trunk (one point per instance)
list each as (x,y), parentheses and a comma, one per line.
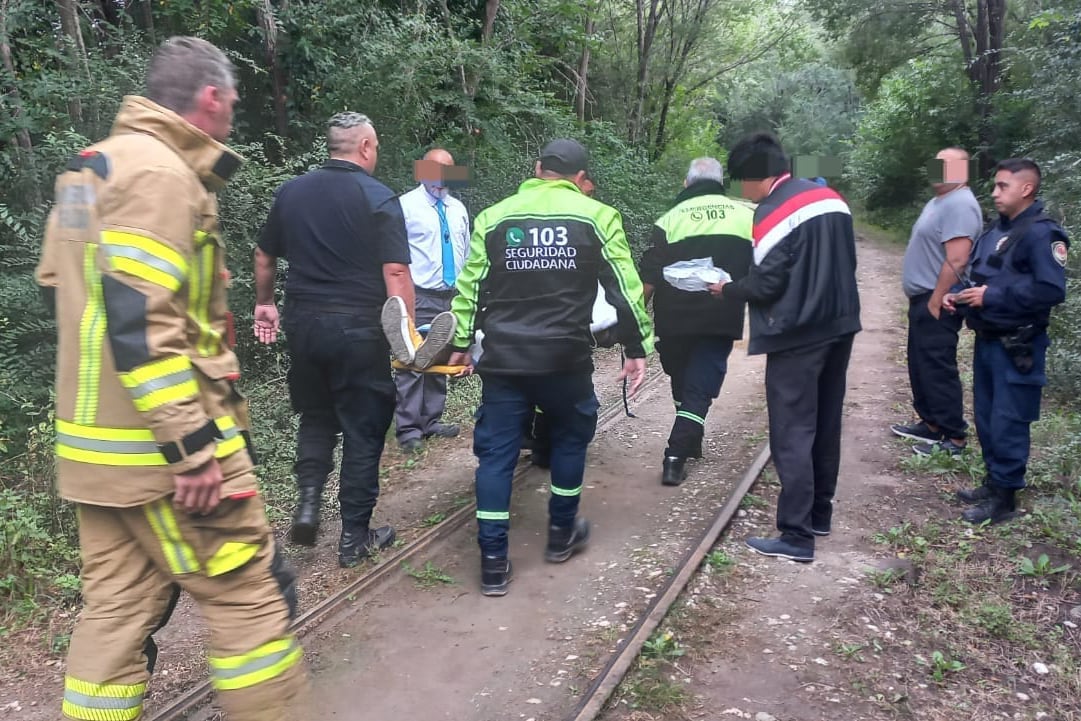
(78,63)
(983,65)
(647,30)
(14,107)
(269,23)
(582,89)
(684,32)
(491,9)
(22,136)
(148,19)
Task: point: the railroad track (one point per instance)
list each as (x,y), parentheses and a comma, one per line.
(194,704)
(192,701)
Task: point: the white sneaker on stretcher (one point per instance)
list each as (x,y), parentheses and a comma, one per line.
(407,345)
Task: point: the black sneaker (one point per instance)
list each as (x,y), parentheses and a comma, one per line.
(495,574)
(946,446)
(564,542)
(673,470)
(918,431)
(359,544)
(777,548)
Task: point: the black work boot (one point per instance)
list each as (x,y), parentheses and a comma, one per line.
(358,543)
(674,470)
(999,506)
(306,516)
(979,494)
(565,541)
(495,574)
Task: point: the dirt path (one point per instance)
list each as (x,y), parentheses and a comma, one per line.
(448,652)
(774,653)
(766,646)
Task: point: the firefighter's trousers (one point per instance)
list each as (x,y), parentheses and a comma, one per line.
(135,560)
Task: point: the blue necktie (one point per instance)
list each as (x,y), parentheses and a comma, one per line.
(448,247)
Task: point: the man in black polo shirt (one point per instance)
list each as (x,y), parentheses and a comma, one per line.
(343,235)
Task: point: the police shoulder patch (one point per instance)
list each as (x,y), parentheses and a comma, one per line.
(1058,252)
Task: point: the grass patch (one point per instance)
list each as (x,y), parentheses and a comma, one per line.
(753,501)
(983,600)
(720,561)
(429,576)
(433,520)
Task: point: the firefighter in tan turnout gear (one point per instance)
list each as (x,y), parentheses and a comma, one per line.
(152,443)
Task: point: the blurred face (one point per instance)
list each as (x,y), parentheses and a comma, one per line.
(1013,192)
(430,173)
(954,171)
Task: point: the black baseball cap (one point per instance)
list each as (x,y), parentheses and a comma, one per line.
(564,156)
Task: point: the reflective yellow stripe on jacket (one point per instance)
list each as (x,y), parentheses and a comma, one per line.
(144,258)
(102,701)
(91,339)
(201,285)
(129,446)
(164,381)
(267,662)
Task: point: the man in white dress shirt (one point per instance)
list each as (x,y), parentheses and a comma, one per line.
(438,227)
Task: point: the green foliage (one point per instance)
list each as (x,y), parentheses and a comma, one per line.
(663,646)
(812,108)
(922,107)
(429,576)
(1049,58)
(720,561)
(35,564)
(1041,568)
(940,666)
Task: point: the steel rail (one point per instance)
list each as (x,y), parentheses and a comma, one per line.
(602,687)
(192,699)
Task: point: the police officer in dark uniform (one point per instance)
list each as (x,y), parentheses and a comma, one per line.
(1018,274)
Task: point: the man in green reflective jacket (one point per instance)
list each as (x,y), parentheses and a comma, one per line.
(529,283)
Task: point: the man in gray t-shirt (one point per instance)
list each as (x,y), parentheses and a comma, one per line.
(935,260)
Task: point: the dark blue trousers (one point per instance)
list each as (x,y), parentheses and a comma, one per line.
(696,366)
(570,408)
(1006,401)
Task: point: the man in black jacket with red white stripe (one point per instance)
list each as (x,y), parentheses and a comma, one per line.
(805,309)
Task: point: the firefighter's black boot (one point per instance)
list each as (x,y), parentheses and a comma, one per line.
(674,470)
(495,574)
(565,541)
(998,507)
(306,517)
